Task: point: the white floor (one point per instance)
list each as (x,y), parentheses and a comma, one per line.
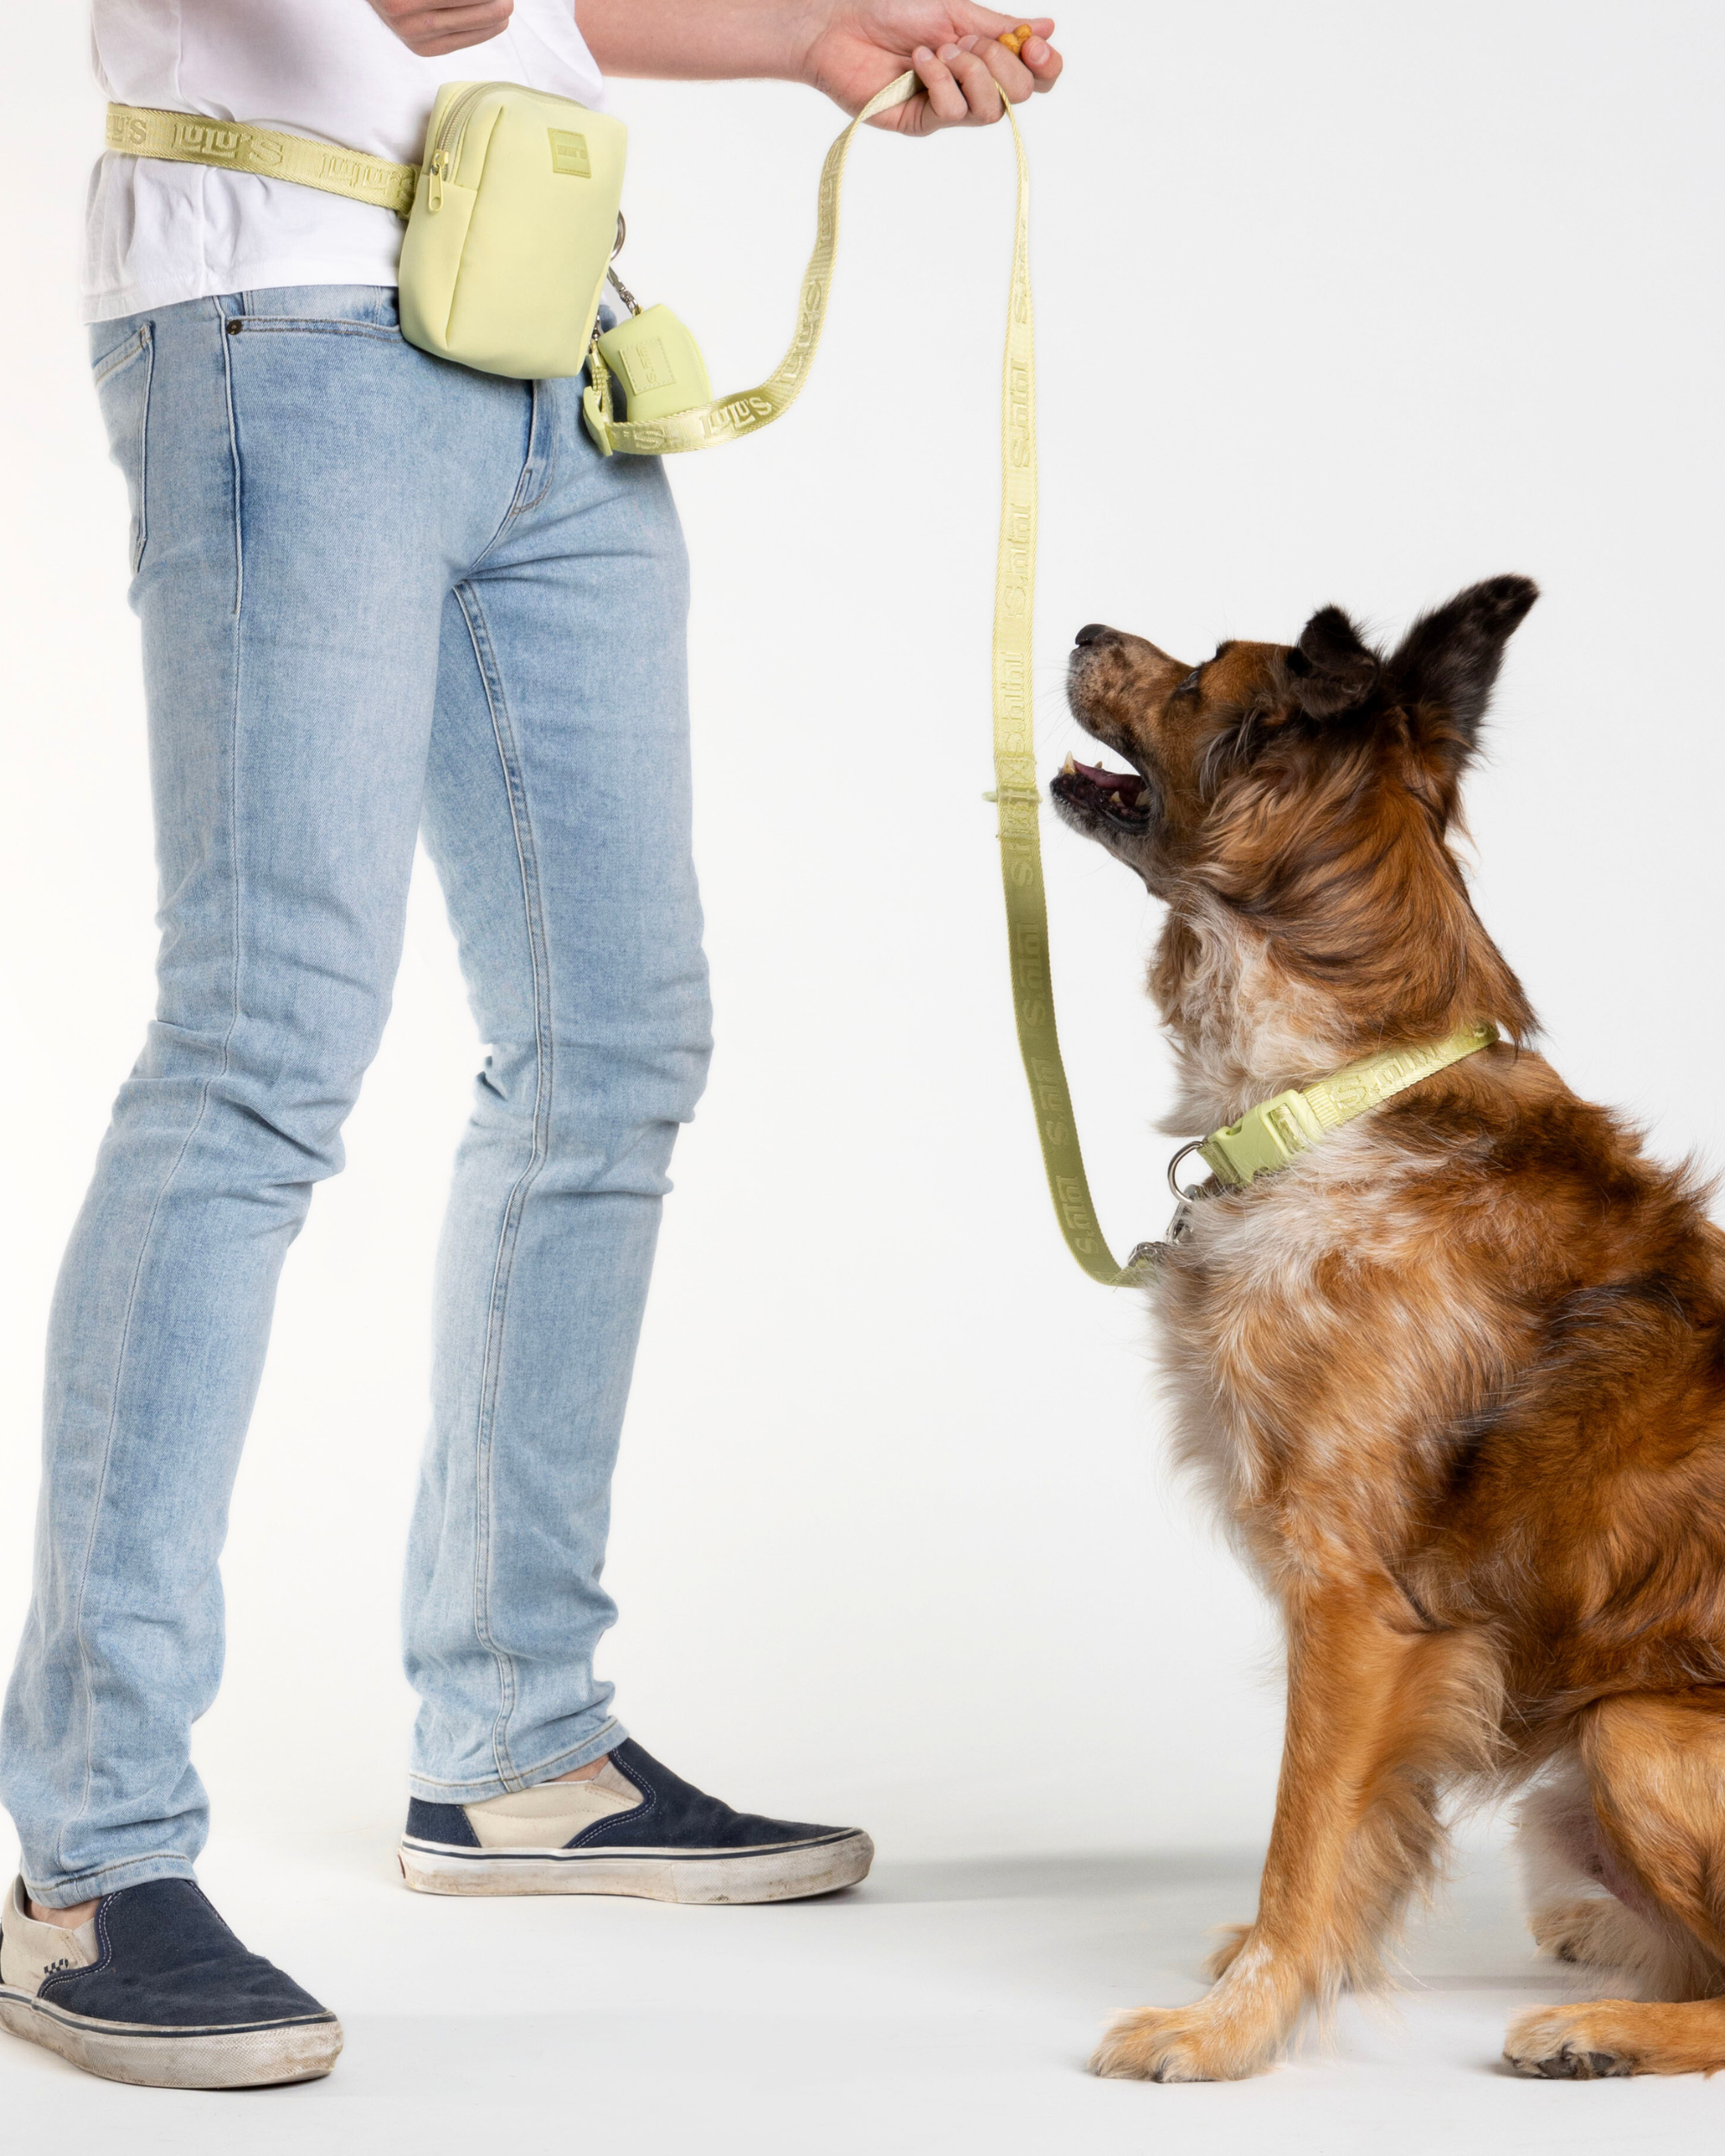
(942,2007)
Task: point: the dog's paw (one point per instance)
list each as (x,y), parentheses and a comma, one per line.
(1573,2043)
(1564,1931)
(1174,2043)
(1233,1937)
(1594,1930)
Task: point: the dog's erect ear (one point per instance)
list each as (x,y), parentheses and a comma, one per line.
(1331,668)
(1446,666)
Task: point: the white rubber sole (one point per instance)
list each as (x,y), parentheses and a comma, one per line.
(257,2057)
(789,1874)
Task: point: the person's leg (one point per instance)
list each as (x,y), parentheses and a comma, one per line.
(557,811)
(308,488)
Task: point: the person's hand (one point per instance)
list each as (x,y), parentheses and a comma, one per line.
(955,49)
(430,27)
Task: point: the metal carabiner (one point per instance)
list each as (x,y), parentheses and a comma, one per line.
(612,278)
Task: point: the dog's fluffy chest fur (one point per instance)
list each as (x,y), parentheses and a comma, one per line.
(1321,1338)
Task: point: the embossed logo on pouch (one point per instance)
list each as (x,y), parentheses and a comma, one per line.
(646,366)
(569,153)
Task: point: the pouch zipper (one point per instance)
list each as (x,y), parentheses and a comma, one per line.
(442,157)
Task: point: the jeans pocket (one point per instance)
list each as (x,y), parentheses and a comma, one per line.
(122,387)
(358,309)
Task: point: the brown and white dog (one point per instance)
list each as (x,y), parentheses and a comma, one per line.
(1455,1377)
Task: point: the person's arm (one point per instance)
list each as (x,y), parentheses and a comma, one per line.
(847,48)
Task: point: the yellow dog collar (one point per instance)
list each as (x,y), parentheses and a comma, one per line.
(1279,1130)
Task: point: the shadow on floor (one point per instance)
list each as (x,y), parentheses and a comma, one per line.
(1105,1877)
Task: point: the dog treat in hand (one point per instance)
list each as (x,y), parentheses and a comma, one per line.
(1014,39)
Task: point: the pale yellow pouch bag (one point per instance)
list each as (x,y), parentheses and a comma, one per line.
(512,228)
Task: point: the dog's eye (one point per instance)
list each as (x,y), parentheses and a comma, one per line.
(1191,684)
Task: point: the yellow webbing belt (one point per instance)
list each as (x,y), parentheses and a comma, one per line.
(190,138)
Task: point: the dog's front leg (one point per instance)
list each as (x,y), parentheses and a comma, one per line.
(1375,1710)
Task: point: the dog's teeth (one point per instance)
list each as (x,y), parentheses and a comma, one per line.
(1115,798)
(1069,769)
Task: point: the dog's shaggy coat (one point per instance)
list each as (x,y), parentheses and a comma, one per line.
(1455,1377)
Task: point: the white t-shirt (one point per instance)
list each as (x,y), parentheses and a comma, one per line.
(157,233)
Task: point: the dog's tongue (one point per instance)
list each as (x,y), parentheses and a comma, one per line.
(1126,784)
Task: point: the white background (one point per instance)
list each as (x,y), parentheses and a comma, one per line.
(1336,301)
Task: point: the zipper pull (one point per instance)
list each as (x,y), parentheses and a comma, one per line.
(434,185)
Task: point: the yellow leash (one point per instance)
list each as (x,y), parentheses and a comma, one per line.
(1016,791)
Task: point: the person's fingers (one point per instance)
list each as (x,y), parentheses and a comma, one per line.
(974,78)
(431,29)
(429,22)
(471,15)
(1029,40)
(1044,62)
(961,82)
(1003,64)
(946,104)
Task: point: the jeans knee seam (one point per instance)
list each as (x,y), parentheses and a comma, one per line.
(497,1303)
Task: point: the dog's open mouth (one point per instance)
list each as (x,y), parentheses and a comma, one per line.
(1118,797)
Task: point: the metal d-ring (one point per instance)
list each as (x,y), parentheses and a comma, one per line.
(622,234)
(1183,1197)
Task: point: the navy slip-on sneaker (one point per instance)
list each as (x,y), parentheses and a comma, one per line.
(633,1828)
(155,1988)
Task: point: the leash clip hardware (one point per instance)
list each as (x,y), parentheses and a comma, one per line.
(1148,1259)
(611,277)
(1183,1197)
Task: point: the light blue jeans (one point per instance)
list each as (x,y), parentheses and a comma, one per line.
(380,596)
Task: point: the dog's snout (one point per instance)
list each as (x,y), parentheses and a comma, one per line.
(1096,632)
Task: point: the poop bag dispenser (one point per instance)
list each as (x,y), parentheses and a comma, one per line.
(657,364)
